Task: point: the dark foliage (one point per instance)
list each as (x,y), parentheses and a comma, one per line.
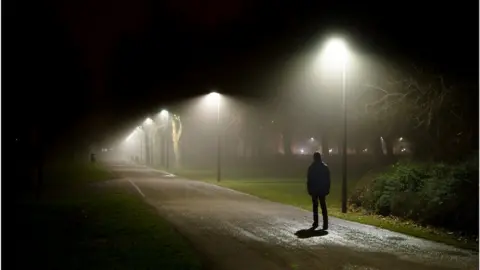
(437,194)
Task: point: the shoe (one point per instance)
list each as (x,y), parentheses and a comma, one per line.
(314,225)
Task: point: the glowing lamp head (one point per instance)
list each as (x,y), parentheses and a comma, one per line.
(337,50)
(164,113)
(148,121)
(335,53)
(213,97)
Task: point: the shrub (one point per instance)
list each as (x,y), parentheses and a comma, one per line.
(438,194)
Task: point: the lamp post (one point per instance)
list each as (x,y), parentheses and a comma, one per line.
(215,98)
(344,144)
(336,52)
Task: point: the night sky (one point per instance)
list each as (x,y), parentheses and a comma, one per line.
(94,65)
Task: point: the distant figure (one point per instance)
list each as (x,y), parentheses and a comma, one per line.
(92,158)
(318,186)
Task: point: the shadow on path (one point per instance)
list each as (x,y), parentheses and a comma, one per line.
(307,233)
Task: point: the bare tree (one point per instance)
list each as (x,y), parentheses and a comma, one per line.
(418,104)
(176,135)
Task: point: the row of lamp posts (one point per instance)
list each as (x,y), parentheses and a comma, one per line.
(148,127)
(336,53)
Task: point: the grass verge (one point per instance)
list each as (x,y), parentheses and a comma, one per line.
(292,191)
(80,226)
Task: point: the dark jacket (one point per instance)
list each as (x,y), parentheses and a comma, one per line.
(318,179)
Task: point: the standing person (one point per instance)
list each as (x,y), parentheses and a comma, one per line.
(318,186)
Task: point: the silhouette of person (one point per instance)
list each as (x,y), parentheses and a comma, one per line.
(318,186)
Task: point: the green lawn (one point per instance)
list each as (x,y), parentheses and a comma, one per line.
(293,191)
(79,226)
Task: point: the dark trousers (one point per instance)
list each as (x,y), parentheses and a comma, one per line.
(323,205)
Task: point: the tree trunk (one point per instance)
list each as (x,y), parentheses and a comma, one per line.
(147,148)
(176,134)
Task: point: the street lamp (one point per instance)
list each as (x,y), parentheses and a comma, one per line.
(148,121)
(164,113)
(214,99)
(336,55)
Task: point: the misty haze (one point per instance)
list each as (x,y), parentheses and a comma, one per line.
(240,135)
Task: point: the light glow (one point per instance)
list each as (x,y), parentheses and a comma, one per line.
(131,135)
(333,57)
(164,113)
(336,51)
(148,121)
(213,98)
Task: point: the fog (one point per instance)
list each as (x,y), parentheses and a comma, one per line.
(299,110)
(269,136)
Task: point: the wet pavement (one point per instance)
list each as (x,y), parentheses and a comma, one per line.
(234,230)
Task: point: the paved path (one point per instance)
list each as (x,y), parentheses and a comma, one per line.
(238,231)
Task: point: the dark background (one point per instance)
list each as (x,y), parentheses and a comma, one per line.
(79,70)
